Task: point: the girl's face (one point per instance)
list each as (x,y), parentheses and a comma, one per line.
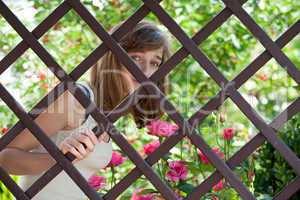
(148,62)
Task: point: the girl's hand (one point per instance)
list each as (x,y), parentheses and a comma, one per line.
(74,145)
(104,137)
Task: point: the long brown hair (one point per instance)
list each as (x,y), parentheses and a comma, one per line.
(110,87)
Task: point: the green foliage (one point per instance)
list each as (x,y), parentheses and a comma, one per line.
(272,171)
(231,48)
(5,194)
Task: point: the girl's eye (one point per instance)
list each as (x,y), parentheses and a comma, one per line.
(136,58)
(155,64)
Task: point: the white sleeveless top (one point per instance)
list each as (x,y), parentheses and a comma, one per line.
(62,186)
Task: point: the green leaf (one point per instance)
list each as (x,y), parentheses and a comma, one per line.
(147,191)
(185,187)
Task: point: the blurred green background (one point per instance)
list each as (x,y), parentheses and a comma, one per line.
(231,48)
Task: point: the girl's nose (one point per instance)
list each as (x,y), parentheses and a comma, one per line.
(148,73)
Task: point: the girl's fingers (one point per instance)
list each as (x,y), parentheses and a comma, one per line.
(92,136)
(75,143)
(104,137)
(87,141)
(69,148)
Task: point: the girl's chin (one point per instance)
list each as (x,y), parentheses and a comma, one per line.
(134,82)
(133,87)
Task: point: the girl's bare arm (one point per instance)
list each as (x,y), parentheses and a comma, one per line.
(20,162)
(16,158)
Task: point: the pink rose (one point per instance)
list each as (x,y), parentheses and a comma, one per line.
(137,196)
(161,128)
(218,186)
(149,148)
(116,159)
(97,182)
(228,133)
(204,159)
(178,170)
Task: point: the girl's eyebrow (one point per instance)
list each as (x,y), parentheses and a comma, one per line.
(139,53)
(158,57)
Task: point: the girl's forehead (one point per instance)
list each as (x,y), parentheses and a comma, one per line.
(158,51)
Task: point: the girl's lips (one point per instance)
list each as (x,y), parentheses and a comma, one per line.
(135,81)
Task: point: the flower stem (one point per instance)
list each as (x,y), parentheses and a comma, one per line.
(225,149)
(218,131)
(112,176)
(181,147)
(159,169)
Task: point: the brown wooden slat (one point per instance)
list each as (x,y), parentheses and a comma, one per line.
(39,108)
(218,77)
(276,142)
(130,64)
(47,143)
(259,33)
(11,185)
(246,150)
(254,66)
(238,99)
(29,38)
(94,55)
(289,190)
(186,127)
(75,74)
(38,32)
(133,155)
(267,131)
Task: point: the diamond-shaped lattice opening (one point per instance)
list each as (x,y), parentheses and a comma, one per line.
(230,47)
(141,188)
(227,129)
(155,131)
(282,15)
(70,41)
(245,171)
(270,90)
(118,167)
(193,15)
(28,80)
(190,87)
(135,137)
(223,189)
(291,50)
(174,43)
(9,37)
(27,12)
(110,13)
(183,167)
(272,172)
